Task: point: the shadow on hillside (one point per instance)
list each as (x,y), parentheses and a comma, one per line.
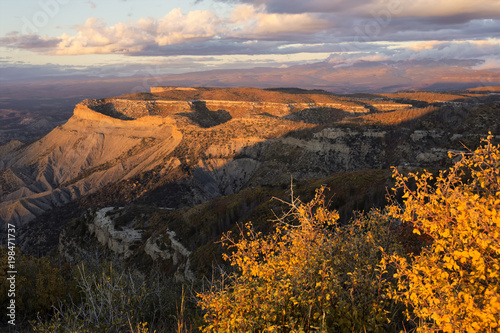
(442,124)
(205,118)
(109,109)
(318,115)
(372,146)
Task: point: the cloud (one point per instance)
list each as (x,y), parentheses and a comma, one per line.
(481,53)
(345,60)
(396,8)
(149,35)
(300,6)
(391,17)
(488,64)
(255,22)
(174,28)
(287,27)
(29,42)
(446,8)
(92,4)
(480,49)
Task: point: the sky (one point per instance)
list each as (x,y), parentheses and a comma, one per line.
(103,38)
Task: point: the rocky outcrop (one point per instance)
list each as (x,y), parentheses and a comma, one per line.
(127,109)
(155,90)
(125,240)
(121,241)
(166,247)
(119,232)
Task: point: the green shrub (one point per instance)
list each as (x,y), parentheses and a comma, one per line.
(40,285)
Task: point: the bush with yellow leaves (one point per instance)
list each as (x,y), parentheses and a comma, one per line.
(312,276)
(453,285)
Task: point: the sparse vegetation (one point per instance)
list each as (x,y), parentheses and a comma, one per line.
(391,118)
(116,299)
(425,96)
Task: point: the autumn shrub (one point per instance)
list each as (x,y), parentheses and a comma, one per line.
(309,275)
(453,284)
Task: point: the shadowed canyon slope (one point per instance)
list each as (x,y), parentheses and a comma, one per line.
(191,145)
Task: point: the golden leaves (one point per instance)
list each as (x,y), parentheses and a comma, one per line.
(319,276)
(313,276)
(454,285)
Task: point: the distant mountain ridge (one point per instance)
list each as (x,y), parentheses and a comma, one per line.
(361,76)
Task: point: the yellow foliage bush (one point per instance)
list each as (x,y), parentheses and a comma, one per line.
(313,276)
(453,284)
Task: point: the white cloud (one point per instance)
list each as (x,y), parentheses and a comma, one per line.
(255,21)
(278,26)
(174,28)
(481,53)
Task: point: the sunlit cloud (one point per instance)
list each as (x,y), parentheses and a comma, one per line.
(92,4)
(255,22)
(445,8)
(490,63)
(174,28)
(472,49)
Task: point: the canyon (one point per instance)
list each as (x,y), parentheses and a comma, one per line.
(178,148)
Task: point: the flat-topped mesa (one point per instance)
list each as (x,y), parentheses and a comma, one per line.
(247,101)
(193,103)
